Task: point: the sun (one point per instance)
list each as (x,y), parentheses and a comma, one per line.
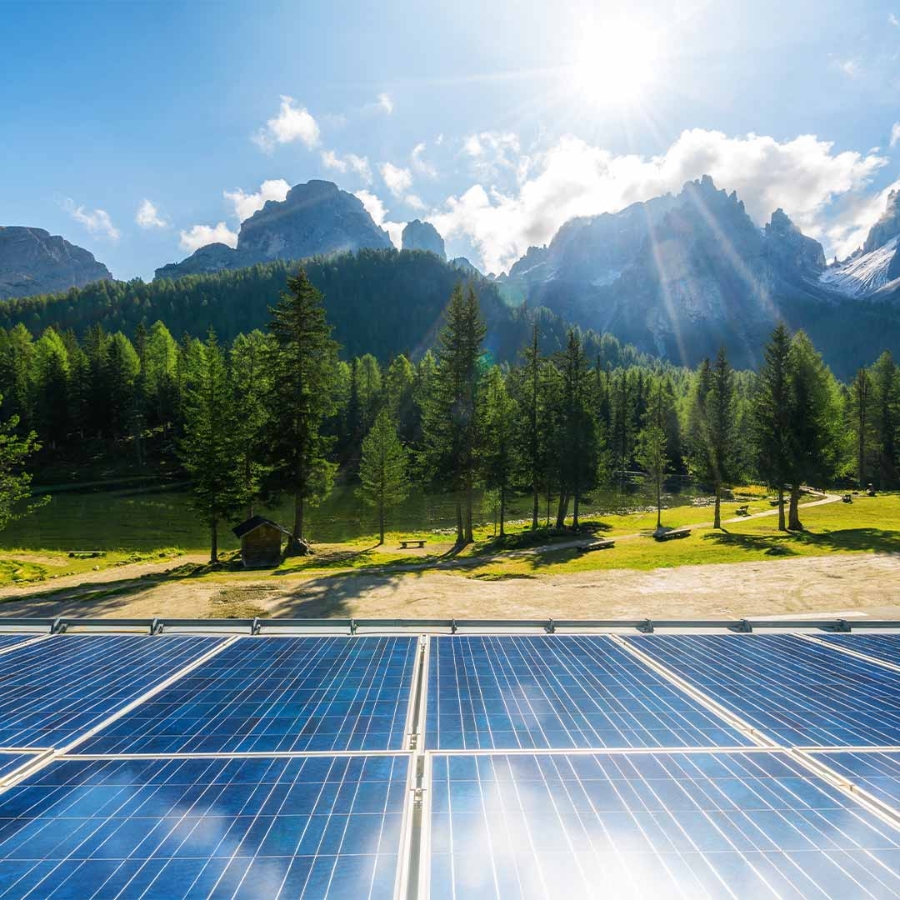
(615,63)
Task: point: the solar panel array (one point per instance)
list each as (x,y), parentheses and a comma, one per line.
(692,765)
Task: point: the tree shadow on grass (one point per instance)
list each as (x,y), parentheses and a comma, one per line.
(783,544)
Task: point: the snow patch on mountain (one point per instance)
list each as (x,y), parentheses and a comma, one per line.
(863,274)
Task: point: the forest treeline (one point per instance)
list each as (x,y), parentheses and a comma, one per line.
(280,413)
(383,302)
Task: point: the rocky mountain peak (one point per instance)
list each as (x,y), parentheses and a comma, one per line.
(32,261)
(887,227)
(418,235)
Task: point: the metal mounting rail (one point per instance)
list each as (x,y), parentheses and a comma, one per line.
(354,626)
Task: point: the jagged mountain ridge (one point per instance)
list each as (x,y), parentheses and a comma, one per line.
(679,275)
(32,261)
(314,219)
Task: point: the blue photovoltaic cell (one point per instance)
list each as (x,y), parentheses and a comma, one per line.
(558,692)
(651,825)
(53,690)
(878,773)
(9,762)
(277,694)
(204,827)
(797,692)
(10,640)
(885,647)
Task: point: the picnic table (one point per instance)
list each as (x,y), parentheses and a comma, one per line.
(672,534)
(605,544)
(412,542)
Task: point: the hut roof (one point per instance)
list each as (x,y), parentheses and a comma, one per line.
(256,522)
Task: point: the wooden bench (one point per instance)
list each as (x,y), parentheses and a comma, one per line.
(672,535)
(405,545)
(743,510)
(597,545)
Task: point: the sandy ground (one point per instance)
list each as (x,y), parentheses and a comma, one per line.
(858,584)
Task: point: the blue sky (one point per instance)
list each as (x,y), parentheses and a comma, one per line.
(495,120)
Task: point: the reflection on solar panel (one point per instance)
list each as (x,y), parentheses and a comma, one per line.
(267,828)
(878,773)
(800,693)
(11,761)
(55,689)
(277,694)
(879,646)
(645,825)
(558,692)
(10,640)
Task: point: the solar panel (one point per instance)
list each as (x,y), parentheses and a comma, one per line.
(204,827)
(9,762)
(558,692)
(885,647)
(10,640)
(800,693)
(878,773)
(691,824)
(277,694)
(53,690)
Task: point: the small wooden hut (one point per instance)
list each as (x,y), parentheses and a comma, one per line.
(261,541)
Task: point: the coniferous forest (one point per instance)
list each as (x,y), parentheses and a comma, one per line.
(281,412)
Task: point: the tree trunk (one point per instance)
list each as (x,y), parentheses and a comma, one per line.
(459,522)
(717,517)
(470,537)
(659,504)
(298,517)
(562,510)
(214,542)
(502,510)
(381,522)
(575,510)
(794,523)
(534,508)
(781,526)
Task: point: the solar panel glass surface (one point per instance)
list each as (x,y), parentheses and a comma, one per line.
(11,640)
(885,647)
(54,690)
(878,773)
(558,692)
(651,825)
(9,762)
(277,694)
(795,691)
(203,828)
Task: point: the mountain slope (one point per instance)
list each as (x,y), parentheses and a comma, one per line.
(32,261)
(314,219)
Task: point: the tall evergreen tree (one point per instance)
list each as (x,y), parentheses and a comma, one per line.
(772,414)
(302,380)
(248,377)
(531,401)
(210,449)
(501,455)
(15,482)
(382,468)
(651,447)
(886,420)
(860,407)
(712,420)
(451,421)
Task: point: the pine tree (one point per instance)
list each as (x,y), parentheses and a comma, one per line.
(860,406)
(15,482)
(302,374)
(382,468)
(451,421)
(248,376)
(500,445)
(815,422)
(51,388)
(711,443)
(530,383)
(886,419)
(651,447)
(211,447)
(771,416)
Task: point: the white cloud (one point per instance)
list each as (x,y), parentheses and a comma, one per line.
(351,162)
(375,208)
(492,153)
(895,135)
(396,178)
(574,178)
(201,235)
(414,200)
(96,221)
(385,104)
(293,123)
(893,20)
(847,231)
(247,204)
(849,67)
(421,165)
(148,216)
